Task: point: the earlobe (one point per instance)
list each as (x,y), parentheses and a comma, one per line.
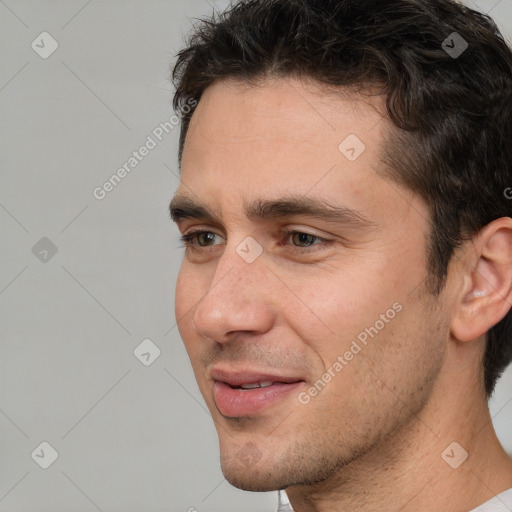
(486,296)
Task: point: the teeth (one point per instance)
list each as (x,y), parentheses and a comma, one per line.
(250,386)
(264,384)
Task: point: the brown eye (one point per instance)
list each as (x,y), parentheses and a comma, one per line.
(199,239)
(303,239)
(206,237)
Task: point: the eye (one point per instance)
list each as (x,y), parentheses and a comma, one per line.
(303,239)
(292,240)
(303,243)
(203,238)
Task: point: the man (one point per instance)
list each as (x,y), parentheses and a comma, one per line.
(345,291)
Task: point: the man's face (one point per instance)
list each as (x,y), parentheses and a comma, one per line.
(336,316)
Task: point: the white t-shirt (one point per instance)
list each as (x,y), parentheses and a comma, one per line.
(500,503)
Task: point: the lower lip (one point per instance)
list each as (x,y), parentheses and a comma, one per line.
(238,402)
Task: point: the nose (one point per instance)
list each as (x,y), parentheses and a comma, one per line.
(239,300)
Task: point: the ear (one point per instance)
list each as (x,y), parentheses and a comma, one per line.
(486,295)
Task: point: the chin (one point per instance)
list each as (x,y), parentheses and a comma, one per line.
(251,467)
(253,479)
(261,467)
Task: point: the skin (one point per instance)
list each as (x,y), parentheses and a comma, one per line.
(373,437)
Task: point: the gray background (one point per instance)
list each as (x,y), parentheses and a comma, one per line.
(129,437)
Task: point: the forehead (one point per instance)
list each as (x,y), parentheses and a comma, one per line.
(251,141)
(282,117)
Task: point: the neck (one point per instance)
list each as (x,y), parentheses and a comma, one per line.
(407,472)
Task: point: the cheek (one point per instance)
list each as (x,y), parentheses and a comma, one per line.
(334,310)
(185,297)
(181,296)
(184,303)
(382,332)
(380,383)
(188,292)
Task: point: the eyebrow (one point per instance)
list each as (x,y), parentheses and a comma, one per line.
(183,207)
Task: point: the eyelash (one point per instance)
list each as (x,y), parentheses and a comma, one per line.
(188,238)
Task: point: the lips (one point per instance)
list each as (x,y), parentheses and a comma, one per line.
(246,393)
(263,384)
(238,378)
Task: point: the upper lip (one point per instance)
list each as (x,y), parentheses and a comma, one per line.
(239,377)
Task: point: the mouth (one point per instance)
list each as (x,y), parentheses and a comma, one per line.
(254,385)
(248,393)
